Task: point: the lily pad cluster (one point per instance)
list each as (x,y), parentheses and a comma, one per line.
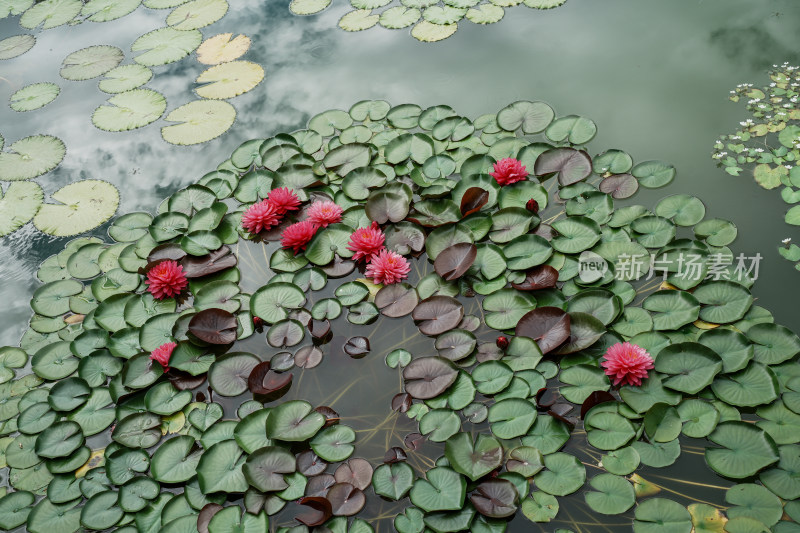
(429,20)
(509,399)
(767,144)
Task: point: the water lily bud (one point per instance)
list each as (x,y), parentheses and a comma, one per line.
(532,206)
(502,342)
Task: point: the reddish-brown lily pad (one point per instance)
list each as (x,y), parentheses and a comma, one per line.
(540,277)
(619,185)
(206,514)
(215,326)
(346,500)
(356,471)
(438,314)
(454,261)
(310,464)
(396,300)
(428,377)
(319,485)
(264,380)
(356,347)
(401,402)
(495,498)
(394,454)
(315,511)
(548,326)
(211,263)
(474,198)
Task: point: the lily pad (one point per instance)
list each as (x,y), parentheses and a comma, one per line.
(31,157)
(34,96)
(84,205)
(200,121)
(130,110)
(90,62)
(229,79)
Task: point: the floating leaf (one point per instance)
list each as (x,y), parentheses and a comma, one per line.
(84,205)
(165,45)
(659,514)
(200,121)
(358,20)
(294,421)
(495,498)
(474,460)
(215,326)
(50,14)
(130,110)
(308,7)
(548,326)
(453,262)
(17,45)
(612,494)
(428,377)
(745,449)
(34,96)
(222,48)
(564,474)
(317,513)
(570,165)
(197,14)
(31,157)
(90,62)
(229,79)
(108,10)
(438,314)
(441,490)
(18,206)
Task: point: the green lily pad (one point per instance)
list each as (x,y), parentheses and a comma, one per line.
(130,110)
(31,157)
(83,205)
(34,96)
(199,121)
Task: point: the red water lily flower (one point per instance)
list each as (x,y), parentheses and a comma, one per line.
(284,199)
(508,171)
(163,353)
(260,216)
(298,235)
(627,363)
(166,280)
(387,267)
(366,242)
(324,212)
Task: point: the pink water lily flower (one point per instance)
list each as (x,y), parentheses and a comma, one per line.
(163,353)
(366,242)
(298,235)
(260,216)
(324,212)
(166,280)
(387,267)
(627,363)
(508,171)
(284,200)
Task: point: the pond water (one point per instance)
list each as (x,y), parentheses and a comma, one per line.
(653,75)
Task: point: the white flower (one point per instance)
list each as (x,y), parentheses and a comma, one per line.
(787,240)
